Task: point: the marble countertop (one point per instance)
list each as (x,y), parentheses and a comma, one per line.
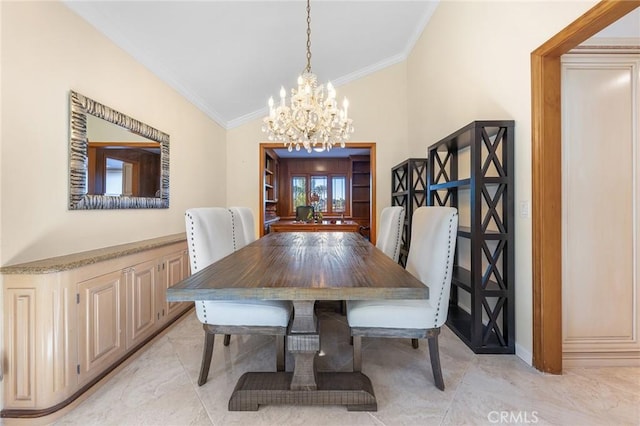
(77,260)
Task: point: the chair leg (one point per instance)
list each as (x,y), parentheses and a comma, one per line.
(227,339)
(415,343)
(357,353)
(434,354)
(206,357)
(281,351)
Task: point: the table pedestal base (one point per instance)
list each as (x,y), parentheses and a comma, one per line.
(351,389)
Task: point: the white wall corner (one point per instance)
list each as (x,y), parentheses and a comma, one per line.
(524,354)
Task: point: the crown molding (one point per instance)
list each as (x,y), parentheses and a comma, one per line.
(340,81)
(420,29)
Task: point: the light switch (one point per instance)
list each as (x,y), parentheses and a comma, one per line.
(525,209)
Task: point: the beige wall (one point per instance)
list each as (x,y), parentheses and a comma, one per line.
(472,62)
(47,50)
(377,105)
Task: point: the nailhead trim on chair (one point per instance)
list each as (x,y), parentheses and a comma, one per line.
(195,265)
(204,311)
(195,260)
(446,272)
(396,250)
(233,230)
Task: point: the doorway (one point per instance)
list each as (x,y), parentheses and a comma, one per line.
(600,208)
(268,153)
(546,129)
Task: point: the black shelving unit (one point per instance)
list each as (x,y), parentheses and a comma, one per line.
(481,305)
(409,190)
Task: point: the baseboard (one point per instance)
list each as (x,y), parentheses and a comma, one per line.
(524,354)
(601,359)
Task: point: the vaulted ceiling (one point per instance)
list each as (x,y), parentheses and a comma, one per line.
(228,57)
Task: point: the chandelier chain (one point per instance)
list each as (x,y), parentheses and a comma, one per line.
(312,118)
(308,69)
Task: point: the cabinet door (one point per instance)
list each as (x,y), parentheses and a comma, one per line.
(175,269)
(142,294)
(100,321)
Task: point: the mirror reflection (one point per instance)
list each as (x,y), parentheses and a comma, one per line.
(115,161)
(121,162)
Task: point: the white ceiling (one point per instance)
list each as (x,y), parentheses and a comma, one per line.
(228,57)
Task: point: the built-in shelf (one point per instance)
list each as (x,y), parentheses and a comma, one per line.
(270,183)
(361,191)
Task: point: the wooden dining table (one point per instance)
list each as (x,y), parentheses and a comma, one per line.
(303,267)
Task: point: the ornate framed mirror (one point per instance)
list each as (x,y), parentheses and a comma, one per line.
(115,161)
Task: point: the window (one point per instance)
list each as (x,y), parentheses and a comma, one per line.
(319,189)
(118,177)
(114,177)
(299,191)
(338,194)
(326,193)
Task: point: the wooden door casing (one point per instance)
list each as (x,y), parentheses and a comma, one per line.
(546,129)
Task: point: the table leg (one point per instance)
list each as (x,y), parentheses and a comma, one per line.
(305,386)
(303,342)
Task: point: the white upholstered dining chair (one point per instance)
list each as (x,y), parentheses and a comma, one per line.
(390,231)
(389,238)
(212,235)
(244,224)
(433,241)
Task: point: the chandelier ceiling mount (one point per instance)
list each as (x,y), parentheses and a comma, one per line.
(312,119)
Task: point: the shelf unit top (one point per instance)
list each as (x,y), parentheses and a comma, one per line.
(462,138)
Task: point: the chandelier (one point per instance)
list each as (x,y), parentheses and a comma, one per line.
(313,118)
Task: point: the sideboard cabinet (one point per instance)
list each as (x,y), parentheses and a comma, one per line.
(71,320)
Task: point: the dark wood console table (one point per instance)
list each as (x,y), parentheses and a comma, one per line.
(303,267)
(323,226)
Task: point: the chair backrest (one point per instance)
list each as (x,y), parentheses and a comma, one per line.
(390,231)
(303,212)
(244,229)
(433,243)
(209,235)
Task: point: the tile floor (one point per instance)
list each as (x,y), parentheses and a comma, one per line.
(159,387)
